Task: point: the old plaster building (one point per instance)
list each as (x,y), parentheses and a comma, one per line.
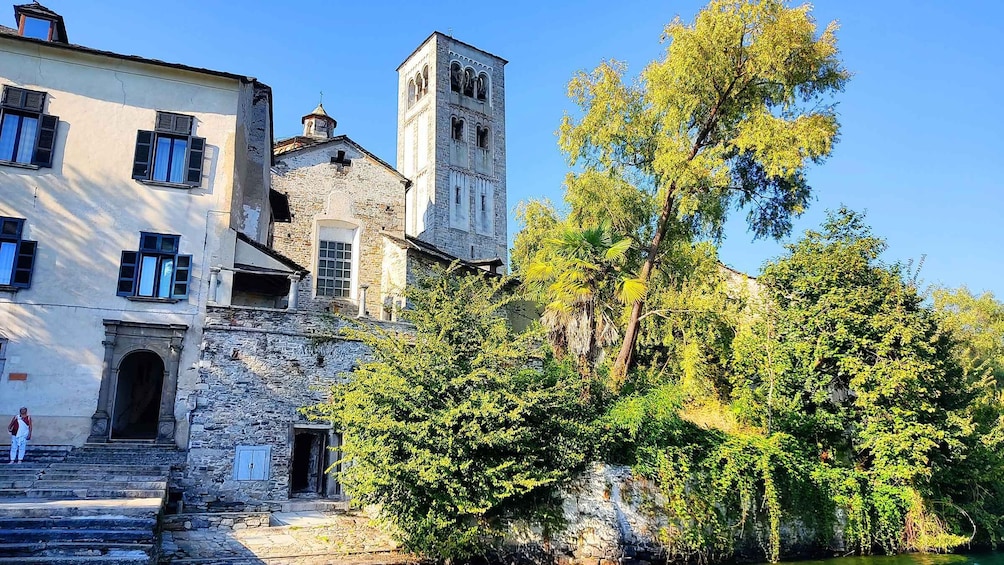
(168,272)
(134,193)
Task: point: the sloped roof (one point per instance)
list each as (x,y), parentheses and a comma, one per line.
(301,142)
(411,243)
(10,33)
(292,265)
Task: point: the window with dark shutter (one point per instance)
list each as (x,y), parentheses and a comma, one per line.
(177,124)
(144,155)
(127,273)
(17,256)
(196,151)
(169,154)
(22,99)
(27,136)
(156,270)
(182,276)
(24,265)
(46,145)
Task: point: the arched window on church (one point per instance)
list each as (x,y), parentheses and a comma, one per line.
(482,135)
(456,77)
(458,128)
(425,79)
(418,87)
(411,93)
(469,80)
(482,87)
(457,194)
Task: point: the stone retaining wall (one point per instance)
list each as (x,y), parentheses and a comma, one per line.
(215,521)
(257,369)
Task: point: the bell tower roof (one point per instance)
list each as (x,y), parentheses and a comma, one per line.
(318,124)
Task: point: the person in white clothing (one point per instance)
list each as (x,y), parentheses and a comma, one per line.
(20,433)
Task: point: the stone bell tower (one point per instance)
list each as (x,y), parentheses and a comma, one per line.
(451,145)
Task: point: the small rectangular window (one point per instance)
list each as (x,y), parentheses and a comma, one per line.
(334,269)
(17,256)
(27,136)
(170,153)
(156,270)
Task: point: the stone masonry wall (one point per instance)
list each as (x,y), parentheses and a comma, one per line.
(365,193)
(257,368)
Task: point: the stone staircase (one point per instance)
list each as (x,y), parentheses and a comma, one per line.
(96,504)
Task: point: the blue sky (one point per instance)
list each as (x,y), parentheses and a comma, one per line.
(921,124)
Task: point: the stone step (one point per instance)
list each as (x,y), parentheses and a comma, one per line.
(42,508)
(17,483)
(20,468)
(78,535)
(128,445)
(47,483)
(39,491)
(105,477)
(103,522)
(119,558)
(74,549)
(134,469)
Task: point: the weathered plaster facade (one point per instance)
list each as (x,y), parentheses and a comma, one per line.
(86,209)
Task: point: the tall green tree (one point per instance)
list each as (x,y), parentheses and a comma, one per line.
(848,359)
(731,115)
(460,427)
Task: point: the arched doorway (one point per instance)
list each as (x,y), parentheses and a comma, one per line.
(137,396)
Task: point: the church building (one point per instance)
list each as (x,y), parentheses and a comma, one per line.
(361,230)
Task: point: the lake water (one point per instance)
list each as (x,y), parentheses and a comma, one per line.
(972,559)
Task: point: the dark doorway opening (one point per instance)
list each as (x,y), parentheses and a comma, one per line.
(309,449)
(137,396)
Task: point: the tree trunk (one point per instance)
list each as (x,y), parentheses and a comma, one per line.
(626,355)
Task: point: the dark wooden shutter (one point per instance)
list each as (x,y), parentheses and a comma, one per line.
(183,125)
(46,145)
(24,265)
(127,273)
(179,124)
(182,276)
(196,152)
(30,100)
(143,160)
(12,96)
(34,101)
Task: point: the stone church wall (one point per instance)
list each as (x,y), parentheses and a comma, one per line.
(364,193)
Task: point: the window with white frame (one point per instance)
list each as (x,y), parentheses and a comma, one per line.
(156,270)
(27,135)
(17,256)
(334,269)
(170,153)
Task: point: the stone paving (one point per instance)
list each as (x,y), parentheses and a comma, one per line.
(344,539)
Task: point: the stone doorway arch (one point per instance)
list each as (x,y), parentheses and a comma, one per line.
(127,344)
(138,390)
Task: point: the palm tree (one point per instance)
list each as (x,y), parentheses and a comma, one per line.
(580,275)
